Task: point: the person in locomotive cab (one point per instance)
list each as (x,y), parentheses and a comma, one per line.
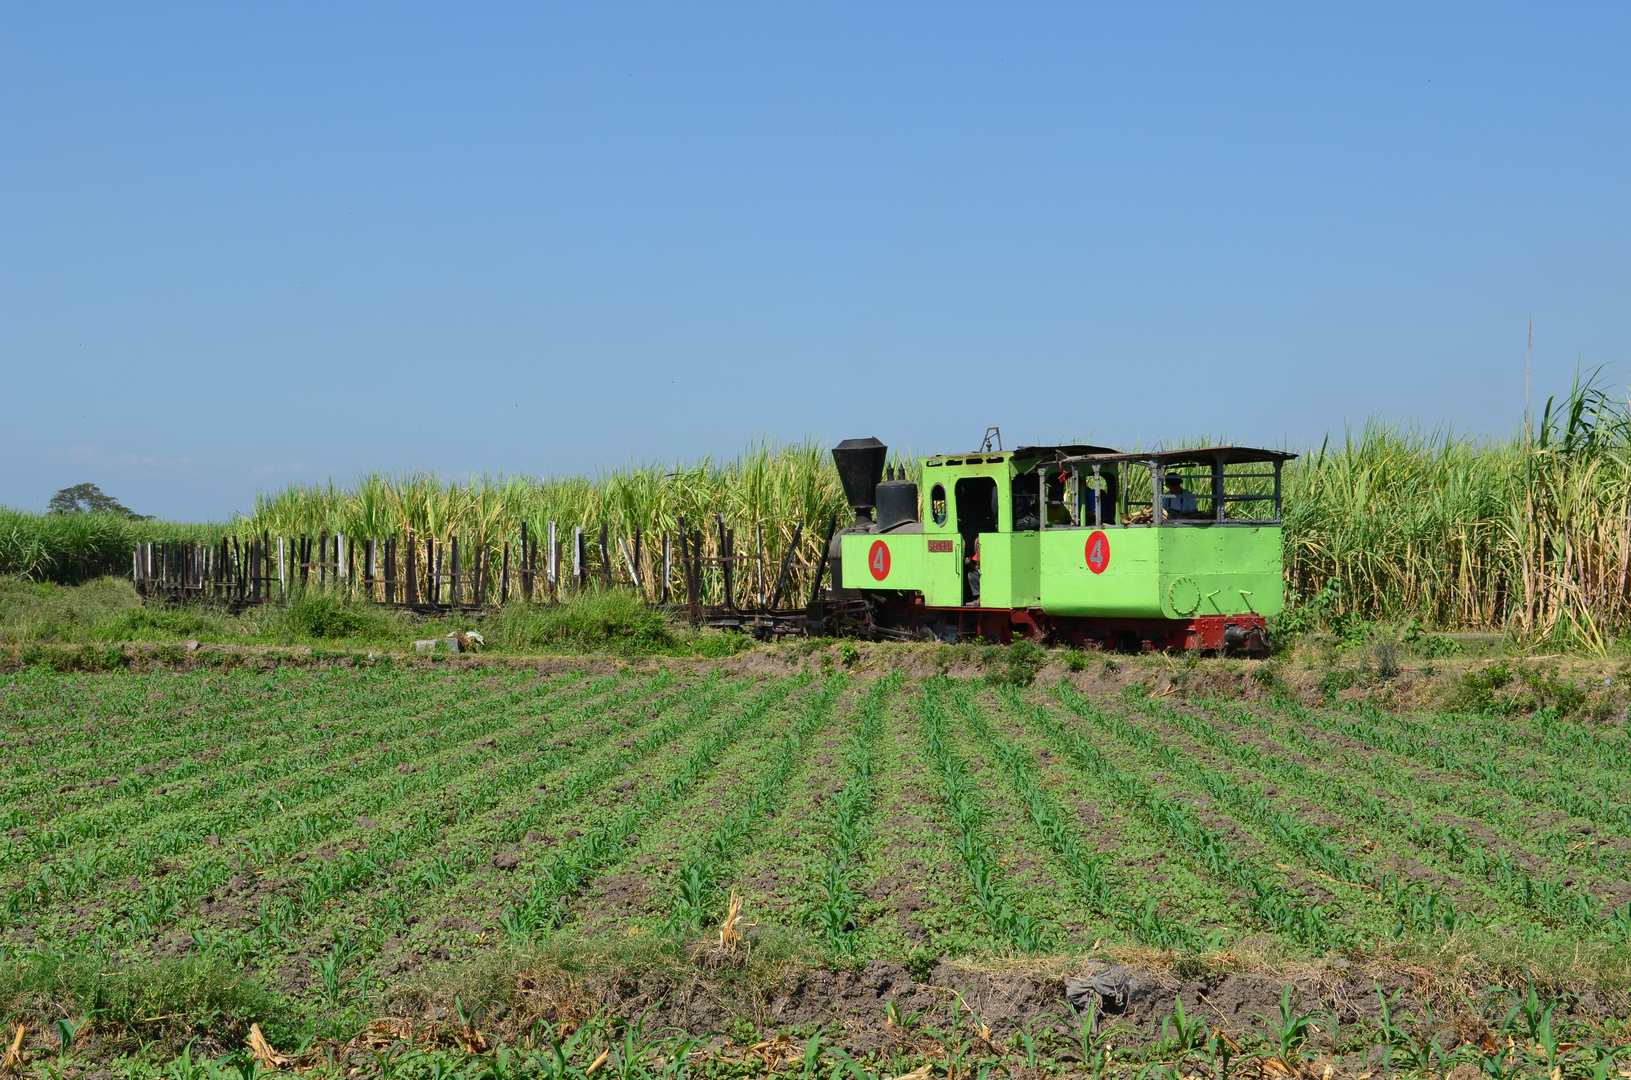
(1176,502)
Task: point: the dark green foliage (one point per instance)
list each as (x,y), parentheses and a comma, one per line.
(1020,663)
(1476,690)
(90,499)
(84,658)
(170,999)
(71,548)
(1552,691)
(594,621)
(321,615)
(1337,680)
(1432,646)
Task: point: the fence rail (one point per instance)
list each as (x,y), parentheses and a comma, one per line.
(699,571)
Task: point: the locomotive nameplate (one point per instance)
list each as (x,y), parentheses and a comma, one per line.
(940,545)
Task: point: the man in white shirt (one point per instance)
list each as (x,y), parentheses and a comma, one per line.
(1176,502)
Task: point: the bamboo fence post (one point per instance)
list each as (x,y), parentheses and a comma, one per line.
(634,566)
(553,558)
(410,584)
(526,565)
(458,581)
(667,569)
(552,565)
(577,557)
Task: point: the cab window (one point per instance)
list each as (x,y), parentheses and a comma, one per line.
(976,505)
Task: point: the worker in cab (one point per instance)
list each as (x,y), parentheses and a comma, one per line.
(1176,502)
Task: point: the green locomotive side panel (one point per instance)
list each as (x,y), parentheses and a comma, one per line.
(891,561)
(1175,572)
(1227,570)
(996,570)
(942,569)
(1127,586)
(943,554)
(1010,570)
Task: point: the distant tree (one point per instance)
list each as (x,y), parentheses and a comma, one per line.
(90,499)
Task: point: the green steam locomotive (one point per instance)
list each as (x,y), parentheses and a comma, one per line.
(1085,545)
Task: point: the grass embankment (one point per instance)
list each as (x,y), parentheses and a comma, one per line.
(108,611)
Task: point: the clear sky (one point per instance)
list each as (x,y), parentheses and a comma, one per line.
(243,245)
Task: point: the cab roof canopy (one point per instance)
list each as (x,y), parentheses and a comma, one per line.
(1055,453)
(1194,455)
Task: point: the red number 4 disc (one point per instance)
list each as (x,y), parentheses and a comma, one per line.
(1097,552)
(877,560)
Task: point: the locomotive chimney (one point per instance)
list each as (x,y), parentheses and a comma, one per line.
(860,467)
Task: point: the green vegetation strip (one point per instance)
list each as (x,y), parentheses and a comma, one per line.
(990,893)
(545,904)
(1266,895)
(834,914)
(1140,917)
(435,873)
(1559,785)
(1550,898)
(1417,908)
(321,880)
(275,834)
(699,872)
(254,766)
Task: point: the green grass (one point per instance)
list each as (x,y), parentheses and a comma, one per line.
(108,611)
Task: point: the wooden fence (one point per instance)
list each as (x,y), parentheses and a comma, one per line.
(700,569)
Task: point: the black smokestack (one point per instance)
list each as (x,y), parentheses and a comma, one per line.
(860,467)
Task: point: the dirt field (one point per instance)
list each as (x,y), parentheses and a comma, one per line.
(359,842)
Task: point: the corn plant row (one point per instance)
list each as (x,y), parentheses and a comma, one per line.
(1141,917)
(834,915)
(1266,898)
(1606,808)
(700,870)
(1419,908)
(435,874)
(990,893)
(1565,744)
(299,831)
(300,766)
(158,735)
(544,906)
(494,788)
(1549,897)
(332,878)
(162,901)
(1563,794)
(303,770)
(705,698)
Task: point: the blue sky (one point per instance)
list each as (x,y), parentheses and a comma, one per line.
(241,246)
